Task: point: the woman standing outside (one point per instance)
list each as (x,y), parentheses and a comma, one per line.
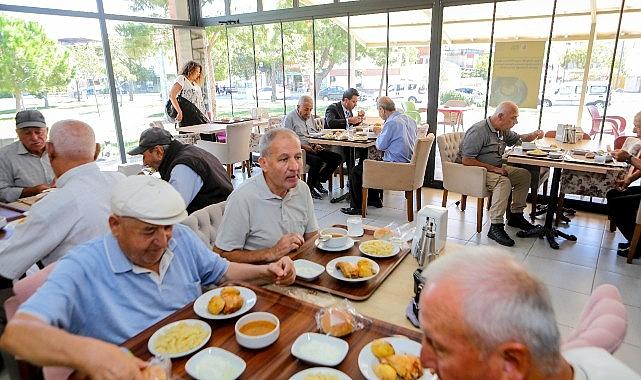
(187,85)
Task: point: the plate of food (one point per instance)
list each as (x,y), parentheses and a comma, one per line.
(536,153)
(226,302)
(215,363)
(352,268)
(378,248)
(320,373)
(551,148)
(391,358)
(179,338)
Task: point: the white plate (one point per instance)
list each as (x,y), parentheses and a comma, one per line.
(395,250)
(322,246)
(320,371)
(151,344)
(308,270)
(320,349)
(200,306)
(214,363)
(337,274)
(402,345)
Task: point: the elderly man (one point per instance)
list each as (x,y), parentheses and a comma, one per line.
(111,288)
(397,141)
(270,214)
(73,213)
(322,162)
(339,115)
(24,165)
(484,316)
(195,173)
(483,145)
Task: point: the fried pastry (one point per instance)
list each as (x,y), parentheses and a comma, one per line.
(384,372)
(229,290)
(233,302)
(408,367)
(382,348)
(365,268)
(216,305)
(349,270)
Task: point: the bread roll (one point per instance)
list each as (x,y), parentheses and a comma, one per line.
(216,305)
(383,233)
(337,322)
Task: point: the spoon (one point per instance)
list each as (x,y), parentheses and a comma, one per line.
(324,238)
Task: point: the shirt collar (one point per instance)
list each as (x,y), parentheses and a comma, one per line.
(265,193)
(489,124)
(23,150)
(118,262)
(78,171)
(345,110)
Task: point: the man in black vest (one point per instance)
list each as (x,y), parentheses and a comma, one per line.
(197,175)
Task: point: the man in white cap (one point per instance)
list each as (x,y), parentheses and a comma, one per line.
(24,165)
(111,288)
(75,212)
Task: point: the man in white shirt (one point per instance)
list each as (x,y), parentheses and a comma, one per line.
(75,212)
(484,316)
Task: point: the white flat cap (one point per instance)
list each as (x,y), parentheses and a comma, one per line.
(148,199)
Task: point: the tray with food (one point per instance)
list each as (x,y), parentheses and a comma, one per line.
(595,158)
(227,120)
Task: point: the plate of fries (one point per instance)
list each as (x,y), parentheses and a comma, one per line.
(379,248)
(179,338)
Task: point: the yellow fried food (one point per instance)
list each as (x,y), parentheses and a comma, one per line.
(229,290)
(382,348)
(180,338)
(233,302)
(348,270)
(365,268)
(537,152)
(377,247)
(408,367)
(384,372)
(321,376)
(216,305)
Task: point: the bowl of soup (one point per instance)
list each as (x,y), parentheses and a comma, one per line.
(334,237)
(257,330)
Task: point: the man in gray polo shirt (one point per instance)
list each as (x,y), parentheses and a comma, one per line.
(483,145)
(24,165)
(270,214)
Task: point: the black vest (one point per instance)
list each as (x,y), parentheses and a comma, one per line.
(216,183)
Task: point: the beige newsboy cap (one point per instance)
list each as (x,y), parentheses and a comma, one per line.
(148,199)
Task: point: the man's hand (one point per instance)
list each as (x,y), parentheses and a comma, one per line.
(620,155)
(622,184)
(179,116)
(286,244)
(102,360)
(308,148)
(354,119)
(537,134)
(317,148)
(282,271)
(500,171)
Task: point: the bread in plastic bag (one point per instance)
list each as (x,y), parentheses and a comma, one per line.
(340,319)
(159,368)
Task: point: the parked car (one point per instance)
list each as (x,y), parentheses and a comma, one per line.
(407,91)
(331,93)
(472,95)
(569,93)
(265,93)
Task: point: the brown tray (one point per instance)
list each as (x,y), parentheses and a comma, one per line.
(275,361)
(357,291)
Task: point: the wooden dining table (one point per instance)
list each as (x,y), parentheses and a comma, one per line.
(213,128)
(275,361)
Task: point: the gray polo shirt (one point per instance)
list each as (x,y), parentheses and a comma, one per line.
(486,144)
(255,218)
(20,169)
(301,127)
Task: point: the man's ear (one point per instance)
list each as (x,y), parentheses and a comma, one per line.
(114,222)
(51,151)
(95,156)
(517,360)
(262,161)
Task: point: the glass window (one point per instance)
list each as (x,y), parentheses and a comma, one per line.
(213,8)
(269,5)
(72,5)
(243,6)
(59,71)
(303,3)
(174,9)
(299,61)
(269,69)
(145,68)
(330,36)
(243,78)
(217,52)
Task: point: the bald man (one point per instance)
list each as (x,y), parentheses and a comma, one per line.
(73,213)
(483,145)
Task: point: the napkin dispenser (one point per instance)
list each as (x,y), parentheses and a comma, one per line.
(438,216)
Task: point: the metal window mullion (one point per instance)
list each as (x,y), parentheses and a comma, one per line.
(282,53)
(614,57)
(547,61)
(436,35)
(231,93)
(314,63)
(489,63)
(387,57)
(255,69)
(349,54)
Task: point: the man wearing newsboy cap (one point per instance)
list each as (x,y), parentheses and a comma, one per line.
(111,288)
(24,166)
(197,174)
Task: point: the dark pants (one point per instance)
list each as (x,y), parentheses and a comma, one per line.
(622,209)
(322,164)
(374,196)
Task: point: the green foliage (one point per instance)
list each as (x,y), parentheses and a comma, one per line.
(480,66)
(29,60)
(450,95)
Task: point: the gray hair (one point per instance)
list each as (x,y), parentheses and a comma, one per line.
(505,107)
(385,103)
(502,302)
(266,139)
(73,139)
(305,99)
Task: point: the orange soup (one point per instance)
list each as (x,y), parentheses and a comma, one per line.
(256,328)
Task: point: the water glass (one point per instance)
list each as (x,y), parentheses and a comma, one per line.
(355,226)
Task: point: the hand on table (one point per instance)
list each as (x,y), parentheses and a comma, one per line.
(102,360)
(286,244)
(282,271)
(354,119)
(620,155)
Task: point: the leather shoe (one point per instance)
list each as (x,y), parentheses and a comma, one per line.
(519,221)
(375,204)
(319,187)
(498,234)
(350,211)
(624,253)
(315,194)
(623,246)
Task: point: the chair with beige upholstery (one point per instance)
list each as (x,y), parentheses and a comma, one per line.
(236,149)
(187,138)
(130,168)
(399,176)
(275,121)
(205,222)
(465,180)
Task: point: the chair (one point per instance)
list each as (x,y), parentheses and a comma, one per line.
(187,138)
(421,131)
(130,168)
(236,149)
(617,123)
(275,121)
(259,113)
(205,222)
(619,141)
(399,176)
(603,323)
(466,180)
(320,123)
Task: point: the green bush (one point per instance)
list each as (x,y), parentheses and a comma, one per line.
(451,95)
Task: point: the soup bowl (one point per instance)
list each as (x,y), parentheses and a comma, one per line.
(339,237)
(257,330)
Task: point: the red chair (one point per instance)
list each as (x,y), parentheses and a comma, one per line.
(617,123)
(619,141)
